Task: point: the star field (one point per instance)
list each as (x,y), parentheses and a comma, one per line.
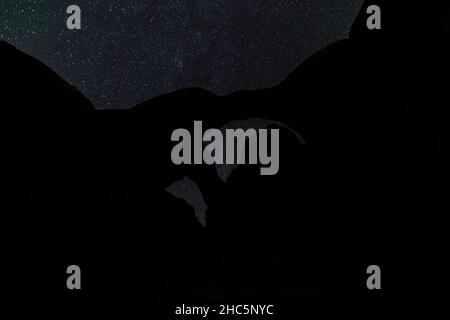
(130,51)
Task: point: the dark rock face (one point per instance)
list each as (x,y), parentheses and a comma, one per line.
(87,187)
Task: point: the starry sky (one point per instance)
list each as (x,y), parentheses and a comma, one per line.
(130,51)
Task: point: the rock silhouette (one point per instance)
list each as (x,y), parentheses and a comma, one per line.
(87,187)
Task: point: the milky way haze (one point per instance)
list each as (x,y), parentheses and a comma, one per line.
(130,51)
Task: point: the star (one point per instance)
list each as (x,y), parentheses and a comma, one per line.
(130,51)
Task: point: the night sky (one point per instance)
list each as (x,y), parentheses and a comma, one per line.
(130,51)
